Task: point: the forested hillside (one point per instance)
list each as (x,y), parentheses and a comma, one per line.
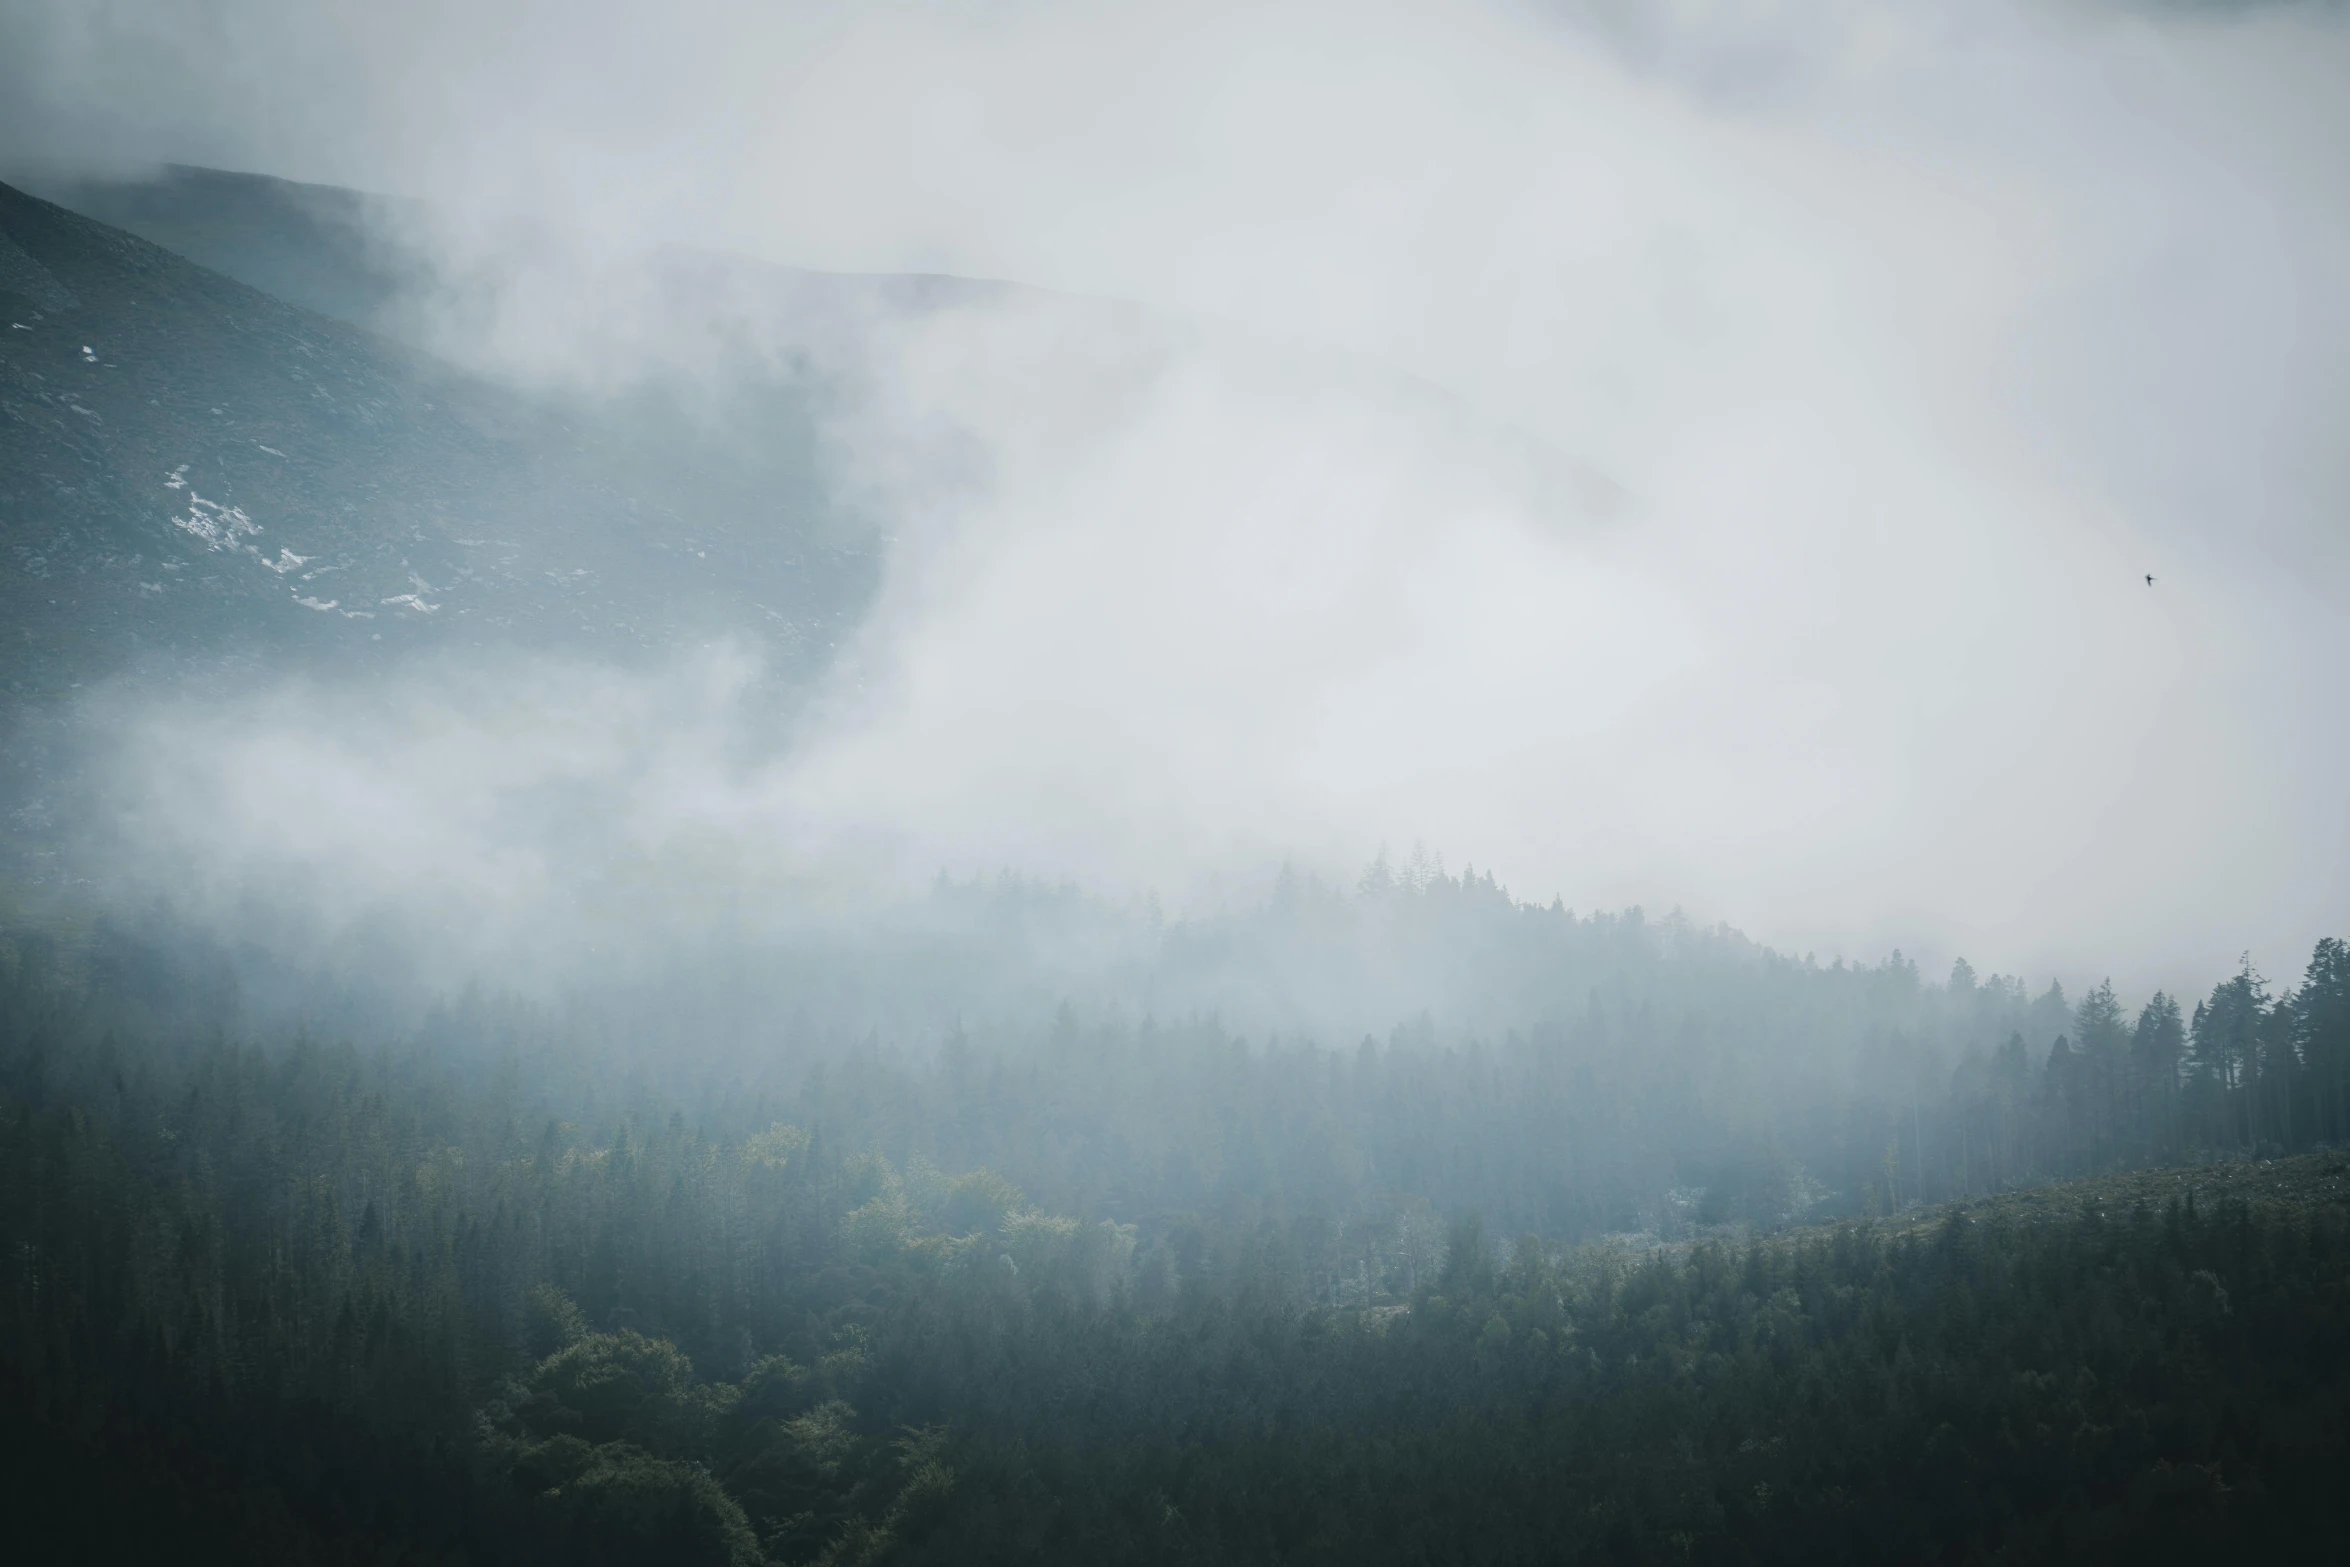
(1126,1290)
(1420,1036)
(703,709)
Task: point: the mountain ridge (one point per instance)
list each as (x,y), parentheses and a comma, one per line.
(193,467)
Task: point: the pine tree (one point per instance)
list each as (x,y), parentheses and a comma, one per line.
(2225,1041)
(2157,1045)
(2322,1015)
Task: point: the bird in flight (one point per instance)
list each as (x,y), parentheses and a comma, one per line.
(2150,579)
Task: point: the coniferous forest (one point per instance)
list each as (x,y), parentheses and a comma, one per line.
(701,703)
(1113,1289)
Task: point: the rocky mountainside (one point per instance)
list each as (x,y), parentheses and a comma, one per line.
(196,475)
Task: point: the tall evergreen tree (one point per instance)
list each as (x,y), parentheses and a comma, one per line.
(2322,1015)
(2157,1048)
(2101,1045)
(2225,1042)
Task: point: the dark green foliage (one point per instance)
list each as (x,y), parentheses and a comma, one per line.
(307,1303)
(2089,1389)
(620,1506)
(613,1387)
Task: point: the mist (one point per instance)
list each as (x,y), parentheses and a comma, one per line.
(1700,456)
(1552,780)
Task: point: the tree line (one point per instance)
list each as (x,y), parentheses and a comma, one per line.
(1139,1291)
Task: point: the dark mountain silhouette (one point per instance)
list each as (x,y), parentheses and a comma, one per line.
(343,253)
(257,457)
(197,475)
(316,246)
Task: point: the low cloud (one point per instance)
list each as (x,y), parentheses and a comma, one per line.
(1687,455)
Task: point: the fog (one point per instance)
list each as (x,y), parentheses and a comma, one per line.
(1700,456)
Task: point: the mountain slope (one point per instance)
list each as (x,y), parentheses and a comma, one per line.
(191,469)
(348,254)
(309,245)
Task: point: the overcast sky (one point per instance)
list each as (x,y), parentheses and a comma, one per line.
(1912,336)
